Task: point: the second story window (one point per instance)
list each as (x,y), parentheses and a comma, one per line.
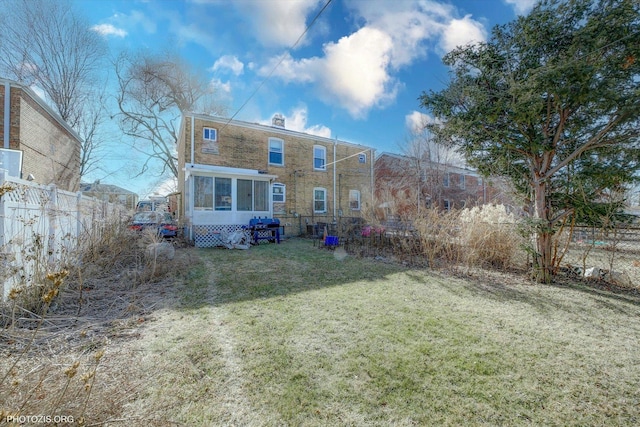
(445,179)
(462,181)
(319,158)
(362,158)
(209,134)
(276,152)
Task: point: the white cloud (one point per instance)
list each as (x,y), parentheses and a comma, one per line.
(298,120)
(109,30)
(416,121)
(356,72)
(136,19)
(521,7)
(277,23)
(461,32)
(221,88)
(229,62)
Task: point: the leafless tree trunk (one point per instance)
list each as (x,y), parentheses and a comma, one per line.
(154,91)
(45,43)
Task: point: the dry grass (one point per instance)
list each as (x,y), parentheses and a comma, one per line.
(52,354)
(291,334)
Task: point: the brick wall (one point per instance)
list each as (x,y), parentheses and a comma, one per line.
(246,146)
(50,152)
(399,179)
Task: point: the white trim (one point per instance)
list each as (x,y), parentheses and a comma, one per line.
(325,200)
(210,129)
(281,141)
(324,150)
(55,116)
(283,194)
(191,168)
(359,198)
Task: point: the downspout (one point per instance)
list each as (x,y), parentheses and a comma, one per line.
(335,146)
(371,152)
(7,113)
(193,137)
(190,182)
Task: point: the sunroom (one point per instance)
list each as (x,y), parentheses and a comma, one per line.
(221,200)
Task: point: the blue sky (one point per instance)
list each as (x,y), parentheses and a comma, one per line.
(355,75)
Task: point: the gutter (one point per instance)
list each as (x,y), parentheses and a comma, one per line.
(335,146)
(7,113)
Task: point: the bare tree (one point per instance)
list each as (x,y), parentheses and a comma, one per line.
(428,162)
(45,43)
(154,91)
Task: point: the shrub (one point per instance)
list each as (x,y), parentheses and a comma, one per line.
(489,236)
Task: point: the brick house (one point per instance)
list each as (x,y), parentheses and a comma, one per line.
(50,148)
(402,183)
(231,171)
(110,193)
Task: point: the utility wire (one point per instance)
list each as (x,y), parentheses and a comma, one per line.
(277,65)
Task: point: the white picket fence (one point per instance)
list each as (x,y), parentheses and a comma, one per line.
(42,228)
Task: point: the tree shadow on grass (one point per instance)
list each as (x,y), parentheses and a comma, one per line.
(296,266)
(514,287)
(272,270)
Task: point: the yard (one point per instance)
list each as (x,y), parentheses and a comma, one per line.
(291,334)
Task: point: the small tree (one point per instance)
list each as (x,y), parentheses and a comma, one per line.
(153,94)
(551,101)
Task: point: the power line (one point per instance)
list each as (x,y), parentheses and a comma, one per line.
(277,65)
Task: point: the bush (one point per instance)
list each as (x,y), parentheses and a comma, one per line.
(489,236)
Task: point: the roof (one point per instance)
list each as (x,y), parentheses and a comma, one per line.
(103,188)
(275,129)
(41,103)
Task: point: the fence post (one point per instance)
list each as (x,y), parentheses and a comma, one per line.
(78,218)
(52,223)
(3,217)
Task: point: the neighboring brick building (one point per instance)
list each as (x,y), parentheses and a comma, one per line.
(232,171)
(50,148)
(403,182)
(110,193)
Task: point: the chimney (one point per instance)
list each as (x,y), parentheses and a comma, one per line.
(278,121)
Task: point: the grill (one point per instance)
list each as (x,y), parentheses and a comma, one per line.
(265,229)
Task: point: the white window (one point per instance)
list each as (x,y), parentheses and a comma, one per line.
(222,194)
(354,200)
(278,193)
(203,193)
(244,195)
(261,196)
(447,205)
(445,179)
(462,181)
(319,158)
(479,180)
(276,152)
(319,200)
(210,134)
(362,158)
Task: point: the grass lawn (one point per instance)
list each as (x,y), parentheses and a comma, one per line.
(294,335)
